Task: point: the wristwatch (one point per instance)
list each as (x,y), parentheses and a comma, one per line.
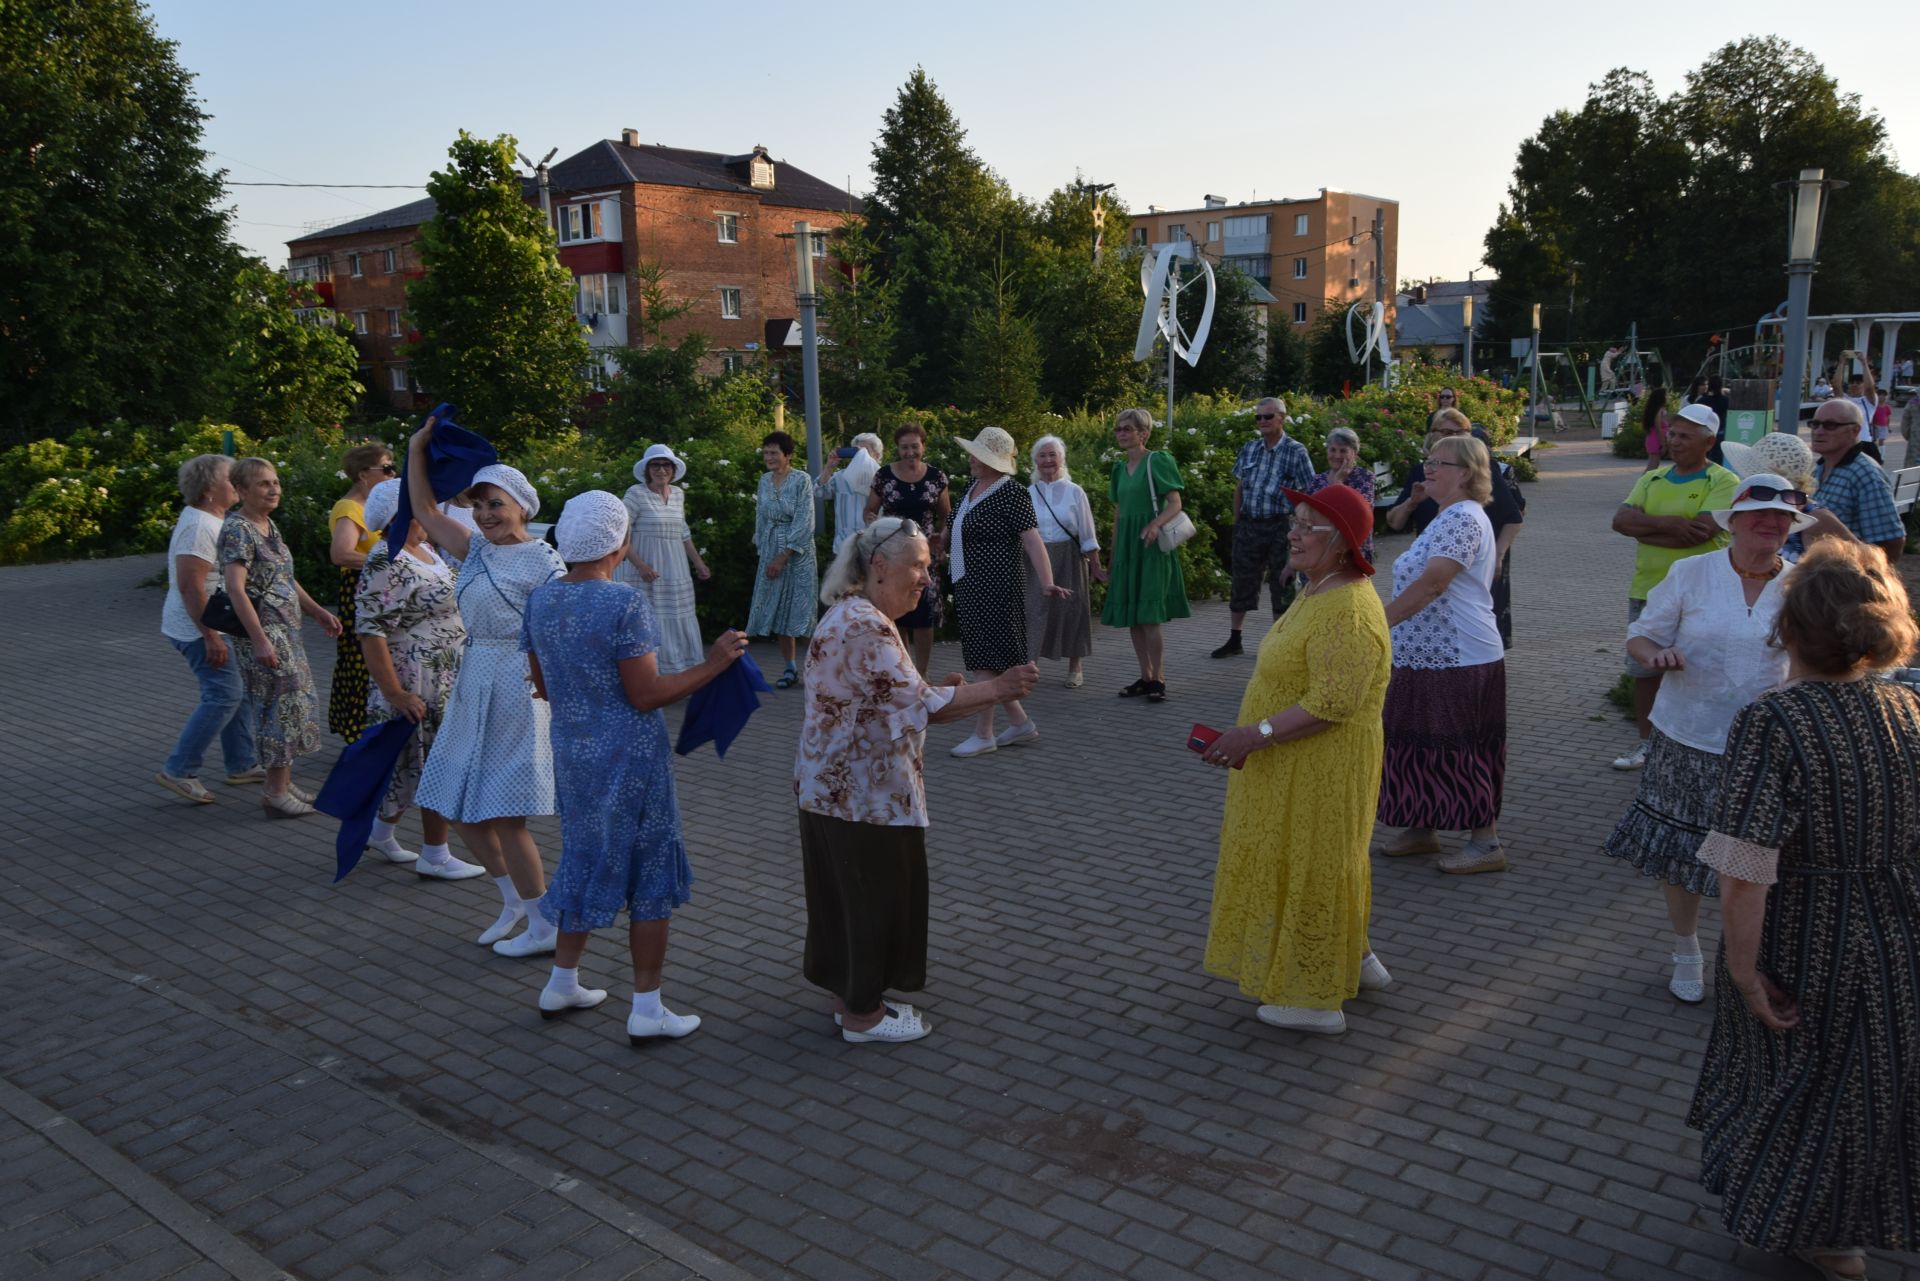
(1266,731)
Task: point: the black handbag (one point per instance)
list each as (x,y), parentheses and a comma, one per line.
(219,615)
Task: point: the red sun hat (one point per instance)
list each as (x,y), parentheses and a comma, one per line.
(1350,513)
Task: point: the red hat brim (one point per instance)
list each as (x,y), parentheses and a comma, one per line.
(1350,513)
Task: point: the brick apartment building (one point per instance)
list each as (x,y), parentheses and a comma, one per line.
(1305,253)
(714,221)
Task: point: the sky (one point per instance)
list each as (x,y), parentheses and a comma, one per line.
(1423,103)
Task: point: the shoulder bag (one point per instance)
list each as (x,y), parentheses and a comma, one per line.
(1173,532)
(220,615)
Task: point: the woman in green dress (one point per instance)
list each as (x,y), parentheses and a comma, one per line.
(1145,588)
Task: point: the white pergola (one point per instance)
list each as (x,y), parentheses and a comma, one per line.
(1818,327)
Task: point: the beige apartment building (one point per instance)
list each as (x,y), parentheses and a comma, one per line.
(1306,253)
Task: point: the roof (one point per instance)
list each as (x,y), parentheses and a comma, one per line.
(609,163)
(1431,322)
(401,216)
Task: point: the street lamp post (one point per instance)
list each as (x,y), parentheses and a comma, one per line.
(1806,213)
(1466,319)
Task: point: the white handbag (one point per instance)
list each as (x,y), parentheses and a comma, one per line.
(1173,532)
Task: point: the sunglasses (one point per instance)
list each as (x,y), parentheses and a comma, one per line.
(1265,417)
(1768,494)
(1833,424)
(389,469)
(904,527)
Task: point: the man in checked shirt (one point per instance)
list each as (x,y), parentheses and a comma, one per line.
(1260,513)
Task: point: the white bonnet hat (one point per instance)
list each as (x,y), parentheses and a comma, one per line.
(590,525)
(514,481)
(382,505)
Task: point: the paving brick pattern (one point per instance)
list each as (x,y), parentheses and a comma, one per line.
(1091,1104)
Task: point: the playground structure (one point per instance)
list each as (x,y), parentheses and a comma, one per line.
(1820,327)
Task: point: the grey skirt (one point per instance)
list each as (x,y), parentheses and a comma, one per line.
(1672,812)
(1061,628)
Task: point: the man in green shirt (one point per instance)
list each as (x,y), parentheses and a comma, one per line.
(1667,515)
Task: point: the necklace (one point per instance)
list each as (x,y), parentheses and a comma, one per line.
(1313,584)
(1772,570)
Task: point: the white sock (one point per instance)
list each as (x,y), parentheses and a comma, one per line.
(509,897)
(647,1004)
(564,982)
(383,834)
(435,854)
(537,924)
(1687,945)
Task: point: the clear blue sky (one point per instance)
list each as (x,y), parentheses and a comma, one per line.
(1168,100)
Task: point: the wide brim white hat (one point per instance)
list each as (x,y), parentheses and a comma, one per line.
(992,446)
(1741,503)
(658,451)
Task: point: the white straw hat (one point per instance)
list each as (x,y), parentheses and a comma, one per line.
(993,446)
(658,451)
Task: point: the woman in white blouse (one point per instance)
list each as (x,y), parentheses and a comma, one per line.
(859,781)
(1446,712)
(846,481)
(1062,628)
(1707,629)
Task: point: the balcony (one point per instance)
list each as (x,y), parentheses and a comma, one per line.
(324,288)
(599,258)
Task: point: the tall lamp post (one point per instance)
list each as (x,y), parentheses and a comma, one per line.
(1466,319)
(1806,217)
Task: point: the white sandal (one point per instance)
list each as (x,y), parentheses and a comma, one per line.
(901,1024)
(1688,982)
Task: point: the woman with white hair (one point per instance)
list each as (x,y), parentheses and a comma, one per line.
(1345,468)
(492,762)
(593,654)
(661,558)
(1062,628)
(411,637)
(860,779)
(848,487)
(223,712)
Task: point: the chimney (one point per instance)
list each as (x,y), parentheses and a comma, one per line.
(1215,202)
(630,137)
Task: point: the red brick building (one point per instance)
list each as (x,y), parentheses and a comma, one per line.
(714,221)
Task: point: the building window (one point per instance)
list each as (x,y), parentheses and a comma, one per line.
(729,228)
(1247,225)
(1299,313)
(600,295)
(1299,224)
(360,322)
(1299,268)
(729,302)
(310,270)
(599,371)
(398,378)
(389,260)
(1213,233)
(1256,267)
(578,222)
(393,323)
(819,245)
(1139,235)
(353,265)
(1177,232)
(732,362)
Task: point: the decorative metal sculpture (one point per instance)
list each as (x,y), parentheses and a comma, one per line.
(1160,281)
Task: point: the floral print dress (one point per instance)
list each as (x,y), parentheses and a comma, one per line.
(409,601)
(283,699)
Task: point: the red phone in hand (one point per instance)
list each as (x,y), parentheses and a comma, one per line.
(1201,737)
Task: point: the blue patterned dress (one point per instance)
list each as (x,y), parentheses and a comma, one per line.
(491,758)
(783,522)
(620,845)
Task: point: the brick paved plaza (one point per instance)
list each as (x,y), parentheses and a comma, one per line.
(218,1063)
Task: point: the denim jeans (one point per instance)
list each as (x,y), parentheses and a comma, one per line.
(224,710)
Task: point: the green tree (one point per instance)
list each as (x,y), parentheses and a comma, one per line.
(1331,369)
(658,392)
(999,368)
(290,363)
(1286,355)
(862,383)
(498,334)
(114,260)
(1085,314)
(1234,360)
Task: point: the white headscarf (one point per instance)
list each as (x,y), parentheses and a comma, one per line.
(382,505)
(590,525)
(514,482)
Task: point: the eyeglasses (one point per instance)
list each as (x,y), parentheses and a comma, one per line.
(388,468)
(1443,462)
(1304,527)
(1768,494)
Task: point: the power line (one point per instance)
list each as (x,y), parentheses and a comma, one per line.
(338,186)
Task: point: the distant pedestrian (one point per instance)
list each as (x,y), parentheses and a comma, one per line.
(662,560)
(1809,1125)
(257,567)
(193,576)
(846,481)
(789,576)
(1653,424)
(1262,473)
(1669,514)
(860,780)
(1147,588)
(592,651)
(1062,628)
(912,488)
(350,540)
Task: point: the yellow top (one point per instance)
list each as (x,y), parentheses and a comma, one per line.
(347,509)
(1293,888)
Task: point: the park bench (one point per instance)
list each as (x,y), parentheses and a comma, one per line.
(1906,488)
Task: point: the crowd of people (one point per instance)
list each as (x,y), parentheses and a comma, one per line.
(1778,778)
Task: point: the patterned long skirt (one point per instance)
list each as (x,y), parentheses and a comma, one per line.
(1671,814)
(1446,760)
(284,727)
(347,698)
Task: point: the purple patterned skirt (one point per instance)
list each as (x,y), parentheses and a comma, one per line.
(1446,761)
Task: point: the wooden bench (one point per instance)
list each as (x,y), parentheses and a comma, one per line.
(1384,490)
(1520,446)
(1906,488)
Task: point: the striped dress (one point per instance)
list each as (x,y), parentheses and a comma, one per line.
(1813,1136)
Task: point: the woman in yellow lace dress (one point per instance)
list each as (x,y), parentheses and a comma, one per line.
(1293,888)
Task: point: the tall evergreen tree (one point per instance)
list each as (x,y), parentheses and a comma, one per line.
(999,370)
(1084,313)
(114,260)
(658,392)
(862,383)
(495,309)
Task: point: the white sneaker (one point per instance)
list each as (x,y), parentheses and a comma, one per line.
(530,943)
(448,869)
(554,1004)
(903,1023)
(1295,1019)
(1025,732)
(641,1027)
(1689,982)
(1373,975)
(1636,759)
(974,745)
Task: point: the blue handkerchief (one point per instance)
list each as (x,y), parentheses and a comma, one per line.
(453,456)
(357,786)
(718,711)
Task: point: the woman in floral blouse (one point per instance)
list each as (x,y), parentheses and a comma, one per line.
(859,780)
(408,625)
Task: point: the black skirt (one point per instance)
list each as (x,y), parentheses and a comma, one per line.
(866,908)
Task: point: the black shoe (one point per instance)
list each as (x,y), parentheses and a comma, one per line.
(1136,689)
(1230,649)
(1156,691)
